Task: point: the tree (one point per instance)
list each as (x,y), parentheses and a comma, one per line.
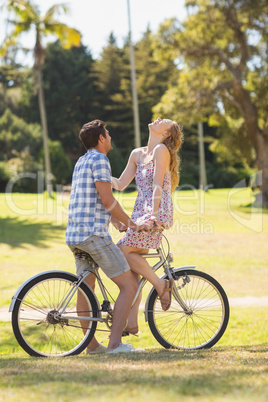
(12,76)
(114,94)
(70,92)
(114,88)
(223,49)
(16,135)
(154,75)
(29,17)
(20,145)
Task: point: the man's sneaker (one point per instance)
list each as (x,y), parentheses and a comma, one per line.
(125,348)
(98,350)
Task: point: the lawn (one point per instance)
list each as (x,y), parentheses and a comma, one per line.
(218,232)
(219,374)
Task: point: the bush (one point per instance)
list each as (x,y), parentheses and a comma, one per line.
(116,160)
(16,135)
(5,176)
(61,165)
(23,170)
(219,175)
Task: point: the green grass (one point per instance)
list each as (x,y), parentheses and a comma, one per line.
(216,231)
(233,373)
(32,239)
(247,326)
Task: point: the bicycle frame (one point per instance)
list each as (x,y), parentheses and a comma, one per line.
(82,277)
(168,273)
(163,261)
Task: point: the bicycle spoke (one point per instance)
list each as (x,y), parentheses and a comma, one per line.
(39,327)
(203,321)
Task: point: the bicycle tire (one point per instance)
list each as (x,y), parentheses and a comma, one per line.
(34,326)
(202,325)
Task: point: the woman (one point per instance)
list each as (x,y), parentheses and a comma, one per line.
(155,168)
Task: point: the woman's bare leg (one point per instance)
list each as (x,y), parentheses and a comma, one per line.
(139,265)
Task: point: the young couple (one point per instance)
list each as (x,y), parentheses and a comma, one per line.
(92,207)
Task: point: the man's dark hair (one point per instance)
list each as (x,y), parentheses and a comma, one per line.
(90,132)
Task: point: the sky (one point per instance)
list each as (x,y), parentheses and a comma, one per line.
(96,19)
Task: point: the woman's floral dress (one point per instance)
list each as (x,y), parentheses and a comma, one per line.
(143,208)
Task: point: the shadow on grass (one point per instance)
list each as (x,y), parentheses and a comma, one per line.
(17,233)
(150,356)
(251,209)
(217,372)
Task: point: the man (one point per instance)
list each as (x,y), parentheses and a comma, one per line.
(92,206)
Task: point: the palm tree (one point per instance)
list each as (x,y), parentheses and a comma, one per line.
(29,18)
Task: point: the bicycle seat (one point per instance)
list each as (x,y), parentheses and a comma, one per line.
(83,255)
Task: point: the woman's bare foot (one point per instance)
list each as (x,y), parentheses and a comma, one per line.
(131,331)
(165,296)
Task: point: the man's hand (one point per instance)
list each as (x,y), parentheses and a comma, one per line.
(122,228)
(118,225)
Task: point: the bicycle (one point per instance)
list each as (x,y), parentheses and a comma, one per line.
(46,322)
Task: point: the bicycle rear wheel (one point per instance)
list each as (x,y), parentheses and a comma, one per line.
(203,321)
(40,329)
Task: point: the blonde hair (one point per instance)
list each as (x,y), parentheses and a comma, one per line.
(173,143)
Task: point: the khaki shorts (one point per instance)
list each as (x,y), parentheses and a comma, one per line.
(105,253)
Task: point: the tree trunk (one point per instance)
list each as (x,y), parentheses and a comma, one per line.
(256,136)
(42,109)
(262,163)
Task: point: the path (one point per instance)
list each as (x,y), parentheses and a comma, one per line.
(246,301)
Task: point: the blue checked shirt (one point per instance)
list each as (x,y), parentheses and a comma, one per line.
(87,215)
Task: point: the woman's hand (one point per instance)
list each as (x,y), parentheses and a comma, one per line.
(142,226)
(157,225)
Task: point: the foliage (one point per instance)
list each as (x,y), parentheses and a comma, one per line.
(112,72)
(11,74)
(153,79)
(177,77)
(21,149)
(11,79)
(223,65)
(5,176)
(28,17)
(19,141)
(24,173)
(16,135)
(116,160)
(88,89)
(60,163)
(69,93)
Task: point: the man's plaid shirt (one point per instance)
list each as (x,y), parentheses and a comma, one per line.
(87,215)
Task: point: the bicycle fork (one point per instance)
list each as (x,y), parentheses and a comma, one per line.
(169,271)
(177,297)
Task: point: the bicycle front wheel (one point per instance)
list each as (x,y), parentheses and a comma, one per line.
(38,325)
(195,320)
